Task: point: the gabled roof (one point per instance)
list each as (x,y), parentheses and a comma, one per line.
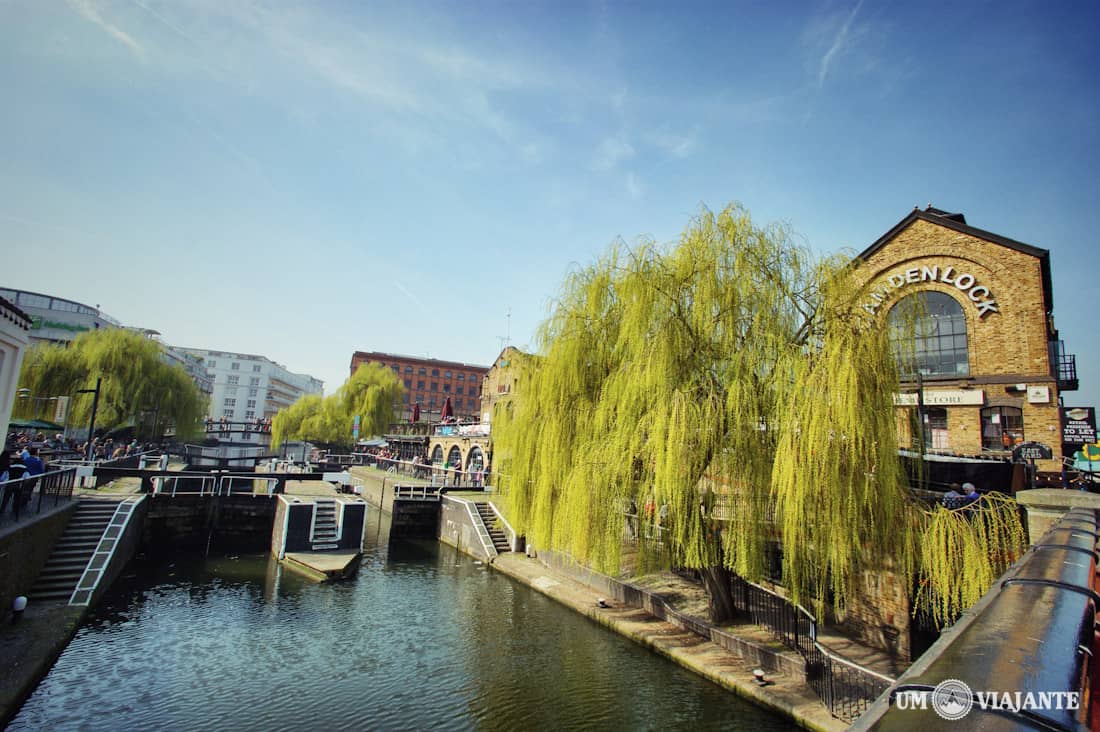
(957,222)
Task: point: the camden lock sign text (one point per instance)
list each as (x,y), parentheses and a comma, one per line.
(979,294)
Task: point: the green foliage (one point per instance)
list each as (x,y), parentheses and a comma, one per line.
(957,565)
(137,383)
(732,379)
(370,393)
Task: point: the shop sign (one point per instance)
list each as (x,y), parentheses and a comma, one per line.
(37,323)
(1038,395)
(944,398)
(1031,451)
(965,282)
(1078,425)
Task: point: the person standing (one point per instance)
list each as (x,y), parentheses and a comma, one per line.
(35,467)
(6,491)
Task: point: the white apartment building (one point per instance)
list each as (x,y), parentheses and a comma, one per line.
(248,387)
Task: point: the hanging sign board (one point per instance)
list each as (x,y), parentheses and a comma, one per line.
(1031,451)
(1078,425)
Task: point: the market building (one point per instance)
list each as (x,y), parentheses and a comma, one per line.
(55,319)
(987,360)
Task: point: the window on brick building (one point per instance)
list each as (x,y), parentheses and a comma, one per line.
(1002,428)
(935,428)
(446,388)
(929,334)
(435,386)
(435,372)
(422,372)
(420,384)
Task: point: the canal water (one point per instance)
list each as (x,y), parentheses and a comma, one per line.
(424,638)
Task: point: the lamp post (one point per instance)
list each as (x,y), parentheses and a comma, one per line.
(91,422)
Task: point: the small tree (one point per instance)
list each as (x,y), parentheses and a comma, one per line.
(369,394)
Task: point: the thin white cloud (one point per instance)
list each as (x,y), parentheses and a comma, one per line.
(405,291)
(840,41)
(89,11)
(634,186)
(610,152)
(675,144)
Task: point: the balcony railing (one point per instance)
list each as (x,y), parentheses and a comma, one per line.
(1065,366)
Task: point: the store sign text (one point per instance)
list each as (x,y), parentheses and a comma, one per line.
(979,294)
(943,398)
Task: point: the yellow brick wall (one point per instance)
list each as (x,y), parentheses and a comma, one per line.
(1010,342)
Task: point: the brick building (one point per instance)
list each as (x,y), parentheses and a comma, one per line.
(989,357)
(428,382)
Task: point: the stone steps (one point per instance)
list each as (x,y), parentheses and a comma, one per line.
(73,550)
(496,535)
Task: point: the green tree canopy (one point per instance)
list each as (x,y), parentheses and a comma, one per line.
(730,380)
(138,386)
(370,393)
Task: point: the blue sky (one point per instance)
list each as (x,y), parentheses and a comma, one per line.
(303,180)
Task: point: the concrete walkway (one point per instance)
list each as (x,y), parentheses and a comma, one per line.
(786,695)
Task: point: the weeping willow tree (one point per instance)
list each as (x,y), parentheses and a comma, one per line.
(136,382)
(729,387)
(369,394)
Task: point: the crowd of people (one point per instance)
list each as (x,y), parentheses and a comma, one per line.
(420,466)
(19,471)
(258,424)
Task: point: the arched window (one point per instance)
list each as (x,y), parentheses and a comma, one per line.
(936,325)
(475,461)
(437,455)
(454,457)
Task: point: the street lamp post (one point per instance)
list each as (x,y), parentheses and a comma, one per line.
(91,423)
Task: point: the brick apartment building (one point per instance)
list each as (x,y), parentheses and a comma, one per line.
(428,382)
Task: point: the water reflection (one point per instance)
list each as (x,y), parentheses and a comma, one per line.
(423,638)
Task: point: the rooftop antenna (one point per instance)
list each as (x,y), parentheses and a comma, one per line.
(506,339)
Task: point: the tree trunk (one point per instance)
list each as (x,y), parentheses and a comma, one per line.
(716,580)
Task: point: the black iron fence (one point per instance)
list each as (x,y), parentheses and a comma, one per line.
(30,494)
(846,688)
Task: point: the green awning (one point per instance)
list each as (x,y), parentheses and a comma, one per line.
(34,424)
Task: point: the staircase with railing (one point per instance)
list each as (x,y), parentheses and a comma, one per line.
(492,526)
(73,550)
(325,533)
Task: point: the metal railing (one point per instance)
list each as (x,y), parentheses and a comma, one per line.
(28,494)
(438,475)
(205,484)
(416,492)
(846,688)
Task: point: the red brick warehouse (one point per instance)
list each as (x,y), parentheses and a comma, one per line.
(429,381)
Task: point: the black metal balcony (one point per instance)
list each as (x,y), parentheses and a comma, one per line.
(1065,366)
